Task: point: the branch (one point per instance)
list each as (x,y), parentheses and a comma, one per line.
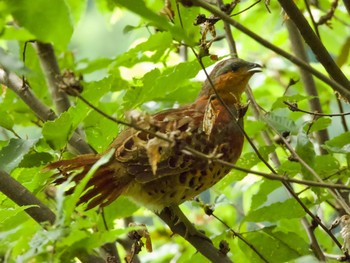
(204,246)
(306,78)
(314,245)
(343,90)
(21,196)
(12,81)
(52,74)
(347,5)
(44,113)
(315,44)
(40,212)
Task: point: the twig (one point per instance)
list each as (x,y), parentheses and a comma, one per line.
(316,219)
(240,236)
(294,107)
(325,19)
(343,119)
(246,9)
(340,200)
(307,4)
(342,89)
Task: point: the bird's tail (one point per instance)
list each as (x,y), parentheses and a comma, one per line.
(101,189)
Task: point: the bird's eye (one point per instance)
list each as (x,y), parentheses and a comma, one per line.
(234,67)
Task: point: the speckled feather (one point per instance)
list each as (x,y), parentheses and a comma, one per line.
(206,125)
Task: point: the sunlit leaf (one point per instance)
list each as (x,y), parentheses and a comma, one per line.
(317,125)
(261,196)
(52,19)
(57,132)
(8,213)
(326,165)
(157,43)
(274,246)
(6,121)
(139,7)
(276,211)
(339,144)
(247,161)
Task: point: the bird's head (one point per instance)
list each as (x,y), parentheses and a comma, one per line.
(230,78)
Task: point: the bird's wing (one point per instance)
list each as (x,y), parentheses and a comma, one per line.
(147,157)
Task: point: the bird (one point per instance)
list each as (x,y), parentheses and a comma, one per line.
(152,162)
(344,222)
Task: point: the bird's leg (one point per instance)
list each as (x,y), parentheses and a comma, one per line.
(179,223)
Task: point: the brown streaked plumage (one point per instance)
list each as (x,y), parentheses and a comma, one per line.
(205,125)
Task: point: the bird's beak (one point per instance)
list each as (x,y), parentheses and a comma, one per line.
(254,68)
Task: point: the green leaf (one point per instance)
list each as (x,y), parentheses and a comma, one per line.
(326,165)
(266,188)
(139,7)
(171,78)
(21,34)
(305,150)
(6,121)
(154,81)
(58,131)
(317,125)
(49,21)
(339,144)
(12,154)
(158,43)
(94,65)
(289,168)
(36,159)
(281,123)
(344,53)
(122,207)
(247,161)
(274,245)
(276,211)
(31,178)
(9,213)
